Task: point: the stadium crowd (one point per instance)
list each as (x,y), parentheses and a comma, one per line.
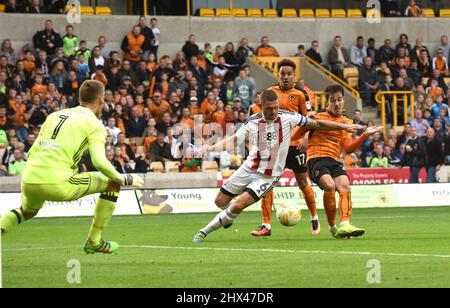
(152,100)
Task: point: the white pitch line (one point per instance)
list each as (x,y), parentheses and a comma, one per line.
(360,253)
(295,251)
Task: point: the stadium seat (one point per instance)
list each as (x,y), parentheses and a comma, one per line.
(338,13)
(289,13)
(103,10)
(223,12)
(447,81)
(254,13)
(428,13)
(306,13)
(206,12)
(444,13)
(322,13)
(157,166)
(270,13)
(354,13)
(353,82)
(425,80)
(87,10)
(351,72)
(2,8)
(238,12)
(172,166)
(210,166)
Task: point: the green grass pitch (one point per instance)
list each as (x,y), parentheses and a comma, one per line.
(411,244)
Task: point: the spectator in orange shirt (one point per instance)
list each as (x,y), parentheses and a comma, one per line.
(193,107)
(151,137)
(39,87)
(256,106)
(402,54)
(18,108)
(186,118)
(133,45)
(218,115)
(29,62)
(440,62)
(265,50)
(413,10)
(434,90)
(158,106)
(208,106)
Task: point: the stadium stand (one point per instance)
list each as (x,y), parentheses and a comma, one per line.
(38,84)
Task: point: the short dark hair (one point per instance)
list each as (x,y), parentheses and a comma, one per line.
(268,96)
(286,62)
(333,89)
(359,38)
(90,90)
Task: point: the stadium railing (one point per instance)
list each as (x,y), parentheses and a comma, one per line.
(406,98)
(333,76)
(320,100)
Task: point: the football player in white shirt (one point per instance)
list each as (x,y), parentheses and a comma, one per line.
(271,131)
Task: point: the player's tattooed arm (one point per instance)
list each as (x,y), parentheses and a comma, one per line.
(329,125)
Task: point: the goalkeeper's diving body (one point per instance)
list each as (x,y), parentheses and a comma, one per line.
(51,173)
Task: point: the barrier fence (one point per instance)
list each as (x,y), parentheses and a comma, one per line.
(391,102)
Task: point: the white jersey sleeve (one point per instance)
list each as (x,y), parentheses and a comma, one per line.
(297,119)
(243,131)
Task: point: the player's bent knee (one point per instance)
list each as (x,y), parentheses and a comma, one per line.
(329,186)
(221,201)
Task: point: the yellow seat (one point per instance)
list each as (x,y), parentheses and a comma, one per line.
(172,166)
(238,12)
(354,13)
(2,8)
(289,13)
(428,13)
(210,166)
(254,13)
(351,72)
(205,12)
(87,10)
(270,13)
(103,10)
(140,150)
(306,13)
(322,13)
(223,12)
(353,82)
(338,13)
(425,80)
(447,81)
(444,13)
(157,166)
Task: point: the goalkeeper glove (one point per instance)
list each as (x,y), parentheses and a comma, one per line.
(132,180)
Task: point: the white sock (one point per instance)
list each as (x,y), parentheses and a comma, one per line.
(268,226)
(332,227)
(316,217)
(222,219)
(345,223)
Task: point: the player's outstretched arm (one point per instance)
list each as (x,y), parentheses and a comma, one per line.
(329,125)
(221,145)
(350,146)
(98,156)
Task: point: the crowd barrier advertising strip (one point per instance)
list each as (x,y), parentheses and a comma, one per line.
(363,176)
(202,200)
(126,205)
(423,194)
